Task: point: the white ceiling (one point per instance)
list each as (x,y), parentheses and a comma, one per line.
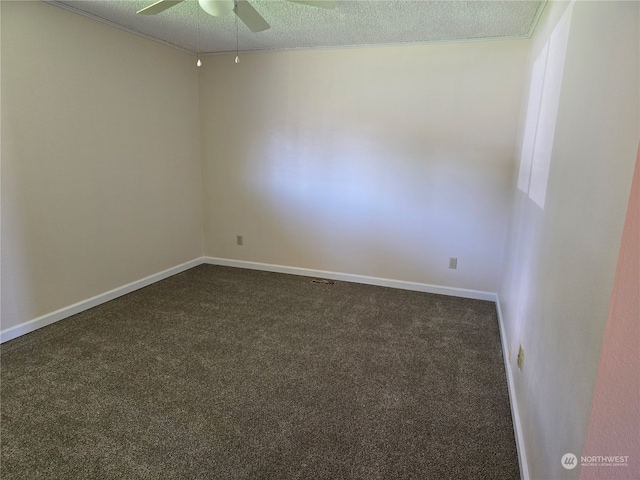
(351,23)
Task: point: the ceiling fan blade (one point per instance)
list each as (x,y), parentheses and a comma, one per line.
(250,17)
(159,6)
(317,3)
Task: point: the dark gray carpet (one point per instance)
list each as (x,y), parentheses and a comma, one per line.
(224,373)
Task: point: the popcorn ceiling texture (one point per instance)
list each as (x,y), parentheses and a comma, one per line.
(351,23)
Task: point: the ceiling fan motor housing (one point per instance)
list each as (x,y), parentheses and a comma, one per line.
(217,8)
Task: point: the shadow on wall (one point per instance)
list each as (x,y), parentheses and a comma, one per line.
(382,162)
(17,266)
(355,200)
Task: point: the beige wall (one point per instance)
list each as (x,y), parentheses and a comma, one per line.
(101,177)
(375,161)
(561,257)
(378,161)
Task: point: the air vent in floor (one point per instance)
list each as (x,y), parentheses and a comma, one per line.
(323,280)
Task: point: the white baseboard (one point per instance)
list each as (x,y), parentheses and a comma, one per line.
(49,318)
(515,414)
(44,320)
(348,277)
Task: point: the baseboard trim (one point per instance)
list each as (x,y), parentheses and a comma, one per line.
(515,414)
(348,277)
(49,318)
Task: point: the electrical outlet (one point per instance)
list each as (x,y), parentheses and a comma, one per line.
(521,358)
(239,240)
(453,263)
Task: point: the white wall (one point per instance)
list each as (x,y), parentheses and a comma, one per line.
(562,253)
(378,161)
(101,172)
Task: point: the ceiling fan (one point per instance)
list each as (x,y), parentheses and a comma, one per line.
(242,8)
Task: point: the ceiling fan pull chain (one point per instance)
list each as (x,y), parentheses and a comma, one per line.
(199,62)
(237,36)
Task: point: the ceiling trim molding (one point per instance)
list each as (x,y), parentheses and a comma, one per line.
(121,27)
(104,21)
(536,19)
(371,45)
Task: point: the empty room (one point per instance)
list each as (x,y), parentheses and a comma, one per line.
(281,239)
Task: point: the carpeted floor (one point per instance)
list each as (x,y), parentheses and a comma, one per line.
(224,373)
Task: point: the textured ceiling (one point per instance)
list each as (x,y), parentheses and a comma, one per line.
(293,25)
